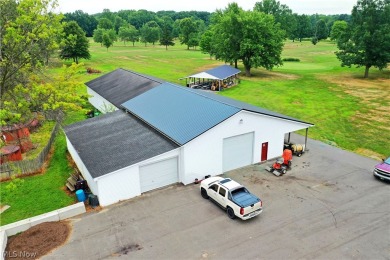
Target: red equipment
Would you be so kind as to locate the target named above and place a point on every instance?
(287, 157)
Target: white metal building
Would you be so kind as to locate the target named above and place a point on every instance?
(172, 134)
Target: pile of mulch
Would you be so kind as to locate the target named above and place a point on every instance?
(38, 240)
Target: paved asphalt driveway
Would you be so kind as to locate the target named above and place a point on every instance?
(328, 206)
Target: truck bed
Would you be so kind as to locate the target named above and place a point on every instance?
(244, 198)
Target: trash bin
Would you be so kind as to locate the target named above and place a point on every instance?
(80, 195)
(93, 200)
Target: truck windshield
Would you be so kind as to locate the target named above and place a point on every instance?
(387, 160)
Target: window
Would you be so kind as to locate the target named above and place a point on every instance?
(222, 192)
(214, 187)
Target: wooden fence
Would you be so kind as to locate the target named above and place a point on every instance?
(34, 165)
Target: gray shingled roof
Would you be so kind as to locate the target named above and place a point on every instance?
(115, 140)
(121, 85)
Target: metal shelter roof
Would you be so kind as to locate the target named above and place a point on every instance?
(223, 72)
(121, 85)
(115, 140)
(220, 73)
(178, 113)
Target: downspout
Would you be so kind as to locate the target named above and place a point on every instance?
(307, 130)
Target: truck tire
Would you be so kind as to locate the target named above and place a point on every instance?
(230, 213)
(203, 192)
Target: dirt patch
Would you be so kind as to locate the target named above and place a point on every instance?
(269, 75)
(37, 241)
(369, 92)
(369, 153)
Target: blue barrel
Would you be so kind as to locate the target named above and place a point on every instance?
(80, 195)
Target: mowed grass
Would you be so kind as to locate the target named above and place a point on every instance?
(40, 193)
(348, 111)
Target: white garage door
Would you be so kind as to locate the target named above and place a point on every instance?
(237, 151)
(158, 174)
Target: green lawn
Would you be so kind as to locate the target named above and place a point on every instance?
(40, 193)
(348, 111)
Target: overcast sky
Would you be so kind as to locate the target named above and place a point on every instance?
(297, 6)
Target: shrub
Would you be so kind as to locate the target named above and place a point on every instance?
(291, 59)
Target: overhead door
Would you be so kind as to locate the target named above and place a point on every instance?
(237, 151)
(159, 174)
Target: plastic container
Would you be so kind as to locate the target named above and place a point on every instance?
(80, 195)
(93, 200)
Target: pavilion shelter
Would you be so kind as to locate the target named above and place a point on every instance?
(215, 79)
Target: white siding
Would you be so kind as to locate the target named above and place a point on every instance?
(99, 102)
(122, 185)
(159, 174)
(80, 165)
(203, 155)
(125, 183)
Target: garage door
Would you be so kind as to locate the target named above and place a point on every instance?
(237, 151)
(158, 174)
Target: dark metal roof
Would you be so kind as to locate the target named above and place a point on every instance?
(223, 72)
(115, 140)
(179, 113)
(121, 85)
(244, 106)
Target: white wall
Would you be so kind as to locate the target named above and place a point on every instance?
(80, 165)
(125, 183)
(203, 155)
(99, 102)
(121, 185)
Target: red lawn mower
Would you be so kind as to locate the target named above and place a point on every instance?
(281, 165)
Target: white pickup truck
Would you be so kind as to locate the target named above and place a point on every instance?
(231, 196)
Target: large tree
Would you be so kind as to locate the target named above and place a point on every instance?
(105, 23)
(166, 37)
(150, 32)
(338, 29)
(107, 40)
(188, 30)
(29, 31)
(43, 93)
(87, 22)
(74, 43)
(250, 36)
(227, 29)
(262, 41)
(128, 33)
(367, 39)
(282, 14)
(303, 28)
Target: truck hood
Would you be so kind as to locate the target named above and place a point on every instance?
(383, 166)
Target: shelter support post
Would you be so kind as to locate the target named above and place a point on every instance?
(307, 130)
(289, 135)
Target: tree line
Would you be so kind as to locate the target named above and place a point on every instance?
(296, 27)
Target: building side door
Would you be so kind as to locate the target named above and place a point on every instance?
(264, 151)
